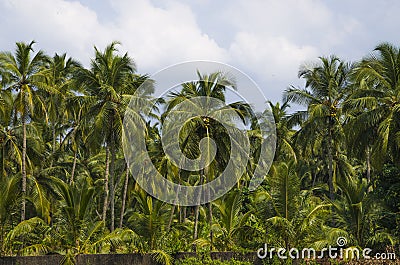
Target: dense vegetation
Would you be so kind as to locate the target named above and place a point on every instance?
(65, 186)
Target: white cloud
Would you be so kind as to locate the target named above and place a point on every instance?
(273, 38)
(269, 39)
(57, 25)
(270, 56)
(155, 37)
(162, 36)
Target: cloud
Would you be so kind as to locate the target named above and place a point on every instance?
(160, 36)
(274, 56)
(154, 36)
(268, 39)
(57, 26)
(273, 38)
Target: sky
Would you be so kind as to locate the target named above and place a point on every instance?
(266, 39)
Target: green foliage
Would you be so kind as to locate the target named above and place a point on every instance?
(387, 191)
(64, 182)
(292, 217)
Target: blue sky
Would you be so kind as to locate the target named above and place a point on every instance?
(266, 39)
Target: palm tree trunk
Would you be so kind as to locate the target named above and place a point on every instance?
(314, 178)
(330, 167)
(111, 183)
(23, 208)
(121, 219)
(171, 217)
(105, 205)
(330, 172)
(73, 167)
(196, 212)
(368, 158)
(174, 206)
(210, 221)
(196, 223)
(54, 144)
(76, 151)
(3, 158)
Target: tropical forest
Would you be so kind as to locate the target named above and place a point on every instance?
(67, 189)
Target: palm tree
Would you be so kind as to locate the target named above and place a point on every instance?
(11, 155)
(356, 211)
(149, 223)
(327, 86)
(294, 216)
(284, 132)
(23, 74)
(108, 88)
(232, 222)
(81, 232)
(75, 138)
(58, 75)
(150, 219)
(29, 231)
(214, 86)
(376, 105)
(76, 214)
(143, 87)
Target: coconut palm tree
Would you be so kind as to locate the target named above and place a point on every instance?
(293, 217)
(149, 223)
(375, 105)
(327, 86)
(150, 219)
(356, 212)
(214, 86)
(108, 87)
(231, 223)
(11, 156)
(58, 76)
(22, 73)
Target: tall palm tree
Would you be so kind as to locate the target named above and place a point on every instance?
(376, 105)
(11, 136)
(213, 85)
(75, 138)
(59, 77)
(22, 73)
(327, 86)
(108, 87)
